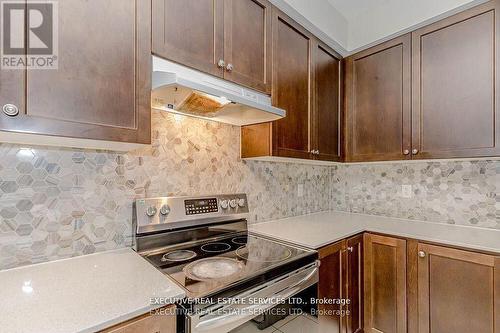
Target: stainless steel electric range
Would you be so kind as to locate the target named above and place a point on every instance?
(230, 275)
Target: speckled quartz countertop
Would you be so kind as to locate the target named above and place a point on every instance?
(82, 294)
(317, 230)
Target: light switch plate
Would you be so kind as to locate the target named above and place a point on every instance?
(406, 191)
(300, 190)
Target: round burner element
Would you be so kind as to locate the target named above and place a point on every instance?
(240, 240)
(179, 255)
(212, 268)
(215, 247)
(256, 254)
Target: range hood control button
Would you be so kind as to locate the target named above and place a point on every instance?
(241, 202)
(224, 204)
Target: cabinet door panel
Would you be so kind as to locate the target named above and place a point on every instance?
(331, 286)
(247, 43)
(161, 323)
(454, 82)
(378, 102)
(456, 291)
(102, 85)
(354, 322)
(327, 87)
(385, 284)
(291, 87)
(190, 32)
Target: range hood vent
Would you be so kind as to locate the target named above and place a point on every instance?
(183, 90)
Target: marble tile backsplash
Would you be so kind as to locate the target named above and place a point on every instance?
(455, 192)
(57, 203)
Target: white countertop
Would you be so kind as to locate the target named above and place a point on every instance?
(317, 230)
(82, 294)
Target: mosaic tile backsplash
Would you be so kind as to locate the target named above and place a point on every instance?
(57, 203)
(456, 192)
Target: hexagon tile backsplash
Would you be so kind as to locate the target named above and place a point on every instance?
(57, 203)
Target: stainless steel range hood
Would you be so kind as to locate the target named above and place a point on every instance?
(183, 90)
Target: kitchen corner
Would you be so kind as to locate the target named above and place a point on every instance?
(245, 166)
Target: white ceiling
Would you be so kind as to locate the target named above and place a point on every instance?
(357, 24)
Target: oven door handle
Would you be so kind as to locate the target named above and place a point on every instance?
(225, 322)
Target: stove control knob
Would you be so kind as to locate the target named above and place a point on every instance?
(241, 202)
(224, 204)
(151, 211)
(233, 203)
(164, 210)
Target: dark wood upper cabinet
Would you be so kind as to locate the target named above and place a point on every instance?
(190, 32)
(101, 89)
(384, 284)
(326, 139)
(226, 38)
(354, 278)
(291, 87)
(247, 43)
(456, 111)
(307, 78)
(291, 90)
(457, 291)
(378, 102)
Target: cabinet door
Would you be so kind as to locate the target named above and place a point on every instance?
(456, 291)
(162, 323)
(247, 43)
(354, 322)
(101, 89)
(327, 102)
(455, 85)
(331, 286)
(385, 284)
(377, 104)
(190, 32)
(291, 87)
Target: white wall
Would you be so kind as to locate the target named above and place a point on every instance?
(388, 17)
(351, 25)
(319, 17)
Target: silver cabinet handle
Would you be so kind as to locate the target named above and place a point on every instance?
(421, 254)
(229, 67)
(221, 63)
(406, 152)
(414, 151)
(350, 249)
(10, 110)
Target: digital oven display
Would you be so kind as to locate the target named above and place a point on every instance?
(201, 206)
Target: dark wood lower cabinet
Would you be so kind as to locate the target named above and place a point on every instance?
(354, 319)
(331, 286)
(385, 284)
(162, 322)
(341, 278)
(458, 291)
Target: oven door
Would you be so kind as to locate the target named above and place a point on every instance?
(245, 306)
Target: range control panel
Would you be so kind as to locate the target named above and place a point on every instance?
(201, 206)
(168, 213)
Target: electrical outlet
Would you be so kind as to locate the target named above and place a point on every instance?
(406, 191)
(300, 190)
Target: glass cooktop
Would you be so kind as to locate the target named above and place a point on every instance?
(207, 266)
